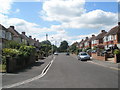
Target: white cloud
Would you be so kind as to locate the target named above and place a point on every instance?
(62, 10)
(72, 14)
(5, 6)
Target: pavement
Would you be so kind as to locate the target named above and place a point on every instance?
(108, 64)
(27, 73)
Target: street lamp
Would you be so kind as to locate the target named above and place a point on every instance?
(52, 48)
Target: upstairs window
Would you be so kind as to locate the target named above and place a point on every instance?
(2, 33)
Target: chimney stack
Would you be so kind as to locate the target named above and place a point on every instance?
(102, 31)
(86, 37)
(118, 23)
(23, 33)
(35, 39)
(93, 35)
(12, 27)
(30, 36)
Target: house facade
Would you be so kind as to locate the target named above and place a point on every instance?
(24, 38)
(81, 44)
(15, 35)
(5, 35)
(31, 41)
(112, 38)
(98, 40)
(88, 42)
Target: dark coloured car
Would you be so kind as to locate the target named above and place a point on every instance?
(67, 53)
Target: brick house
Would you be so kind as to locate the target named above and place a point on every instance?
(5, 35)
(89, 42)
(31, 41)
(24, 38)
(86, 43)
(36, 43)
(81, 44)
(112, 38)
(16, 36)
(98, 40)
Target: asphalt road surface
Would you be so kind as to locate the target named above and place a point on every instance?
(68, 72)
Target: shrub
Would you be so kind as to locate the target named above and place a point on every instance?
(10, 52)
(4, 60)
(116, 51)
(13, 44)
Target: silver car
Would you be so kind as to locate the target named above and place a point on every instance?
(83, 56)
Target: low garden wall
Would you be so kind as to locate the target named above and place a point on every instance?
(95, 56)
(14, 64)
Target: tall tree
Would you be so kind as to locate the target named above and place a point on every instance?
(45, 47)
(63, 46)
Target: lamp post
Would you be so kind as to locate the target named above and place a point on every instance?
(52, 49)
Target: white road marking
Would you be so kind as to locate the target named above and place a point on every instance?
(34, 78)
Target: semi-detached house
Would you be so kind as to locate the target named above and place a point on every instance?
(112, 38)
(98, 40)
(16, 36)
(5, 35)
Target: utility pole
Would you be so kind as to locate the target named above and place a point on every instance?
(52, 49)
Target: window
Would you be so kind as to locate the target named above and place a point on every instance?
(2, 33)
(8, 36)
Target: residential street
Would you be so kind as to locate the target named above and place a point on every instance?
(68, 72)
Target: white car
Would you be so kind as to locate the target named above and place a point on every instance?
(83, 56)
(56, 53)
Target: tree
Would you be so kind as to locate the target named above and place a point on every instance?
(63, 46)
(45, 47)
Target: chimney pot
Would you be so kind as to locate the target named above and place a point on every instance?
(30, 36)
(86, 37)
(93, 35)
(34, 38)
(23, 33)
(102, 31)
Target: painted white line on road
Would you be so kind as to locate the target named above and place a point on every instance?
(34, 78)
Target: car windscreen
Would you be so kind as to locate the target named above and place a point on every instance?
(83, 54)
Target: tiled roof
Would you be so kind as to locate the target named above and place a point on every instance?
(92, 38)
(113, 31)
(13, 31)
(2, 27)
(24, 37)
(82, 41)
(101, 35)
(85, 40)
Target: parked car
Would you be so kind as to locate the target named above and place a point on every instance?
(56, 53)
(93, 51)
(83, 56)
(67, 53)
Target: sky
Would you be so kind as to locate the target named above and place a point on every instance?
(70, 20)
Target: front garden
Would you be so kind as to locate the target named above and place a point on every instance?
(16, 56)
